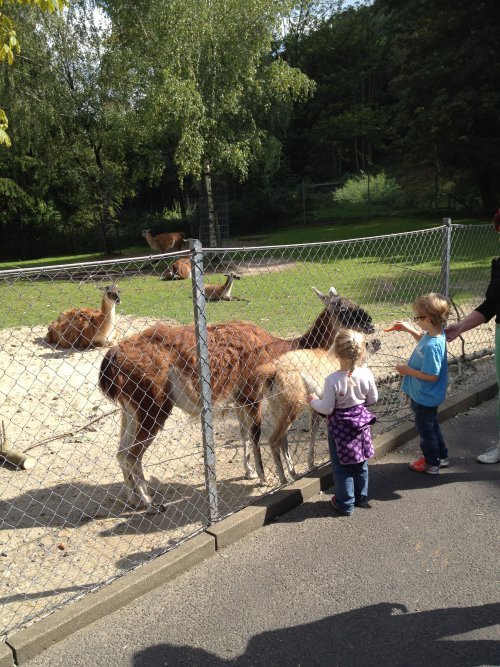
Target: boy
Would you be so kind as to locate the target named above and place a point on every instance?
(425, 378)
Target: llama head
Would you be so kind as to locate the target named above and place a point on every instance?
(145, 232)
(348, 314)
(233, 276)
(111, 293)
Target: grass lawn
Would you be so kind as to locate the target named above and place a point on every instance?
(383, 274)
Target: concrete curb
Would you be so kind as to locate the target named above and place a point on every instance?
(6, 659)
(29, 642)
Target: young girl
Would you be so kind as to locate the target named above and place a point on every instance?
(426, 378)
(345, 395)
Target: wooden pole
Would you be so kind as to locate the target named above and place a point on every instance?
(12, 456)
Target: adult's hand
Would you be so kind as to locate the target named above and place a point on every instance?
(453, 331)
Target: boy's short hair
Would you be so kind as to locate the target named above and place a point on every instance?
(435, 306)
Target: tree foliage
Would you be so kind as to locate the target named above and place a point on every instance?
(9, 45)
(445, 86)
(207, 80)
(116, 108)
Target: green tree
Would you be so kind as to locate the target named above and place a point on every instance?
(70, 126)
(445, 83)
(9, 45)
(206, 79)
(343, 128)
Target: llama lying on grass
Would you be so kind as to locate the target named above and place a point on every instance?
(287, 382)
(222, 292)
(178, 270)
(153, 371)
(81, 328)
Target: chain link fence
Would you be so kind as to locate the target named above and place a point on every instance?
(176, 400)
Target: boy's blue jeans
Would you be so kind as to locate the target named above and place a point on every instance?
(351, 481)
(431, 438)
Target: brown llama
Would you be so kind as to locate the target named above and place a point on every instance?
(221, 292)
(153, 371)
(287, 382)
(81, 328)
(178, 270)
(165, 242)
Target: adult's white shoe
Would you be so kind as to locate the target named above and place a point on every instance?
(492, 456)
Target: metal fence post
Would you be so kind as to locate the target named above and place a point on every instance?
(200, 323)
(446, 257)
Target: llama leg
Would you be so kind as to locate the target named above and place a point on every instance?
(279, 441)
(255, 416)
(143, 440)
(288, 459)
(133, 443)
(129, 427)
(244, 424)
(314, 426)
(275, 446)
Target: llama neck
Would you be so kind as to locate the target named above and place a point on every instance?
(108, 310)
(227, 287)
(150, 241)
(320, 336)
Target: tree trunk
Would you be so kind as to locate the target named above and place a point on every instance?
(107, 227)
(489, 197)
(212, 219)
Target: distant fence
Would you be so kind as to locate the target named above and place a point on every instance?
(65, 526)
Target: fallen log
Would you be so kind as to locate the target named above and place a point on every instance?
(13, 456)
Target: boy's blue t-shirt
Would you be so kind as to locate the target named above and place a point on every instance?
(428, 357)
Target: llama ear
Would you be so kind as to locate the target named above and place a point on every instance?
(320, 294)
(332, 291)
(327, 298)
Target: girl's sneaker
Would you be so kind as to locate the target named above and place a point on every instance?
(422, 466)
(333, 503)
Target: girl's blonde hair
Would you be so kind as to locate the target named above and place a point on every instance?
(435, 306)
(350, 345)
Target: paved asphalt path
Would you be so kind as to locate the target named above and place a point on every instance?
(411, 581)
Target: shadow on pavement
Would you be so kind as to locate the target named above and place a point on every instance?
(382, 634)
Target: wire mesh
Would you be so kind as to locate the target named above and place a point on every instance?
(66, 525)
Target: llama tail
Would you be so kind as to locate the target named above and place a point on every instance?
(267, 375)
(108, 374)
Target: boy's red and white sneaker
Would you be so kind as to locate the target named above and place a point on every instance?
(443, 463)
(422, 466)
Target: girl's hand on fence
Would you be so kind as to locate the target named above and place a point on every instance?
(403, 369)
(311, 397)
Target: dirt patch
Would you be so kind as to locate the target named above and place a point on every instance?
(64, 527)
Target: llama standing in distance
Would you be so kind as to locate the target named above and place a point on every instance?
(156, 370)
(178, 270)
(165, 242)
(81, 328)
(287, 382)
(221, 292)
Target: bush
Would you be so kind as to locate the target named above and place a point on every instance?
(368, 189)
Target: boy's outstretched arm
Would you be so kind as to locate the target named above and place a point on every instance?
(400, 325)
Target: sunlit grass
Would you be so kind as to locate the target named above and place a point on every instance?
(383, 274)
